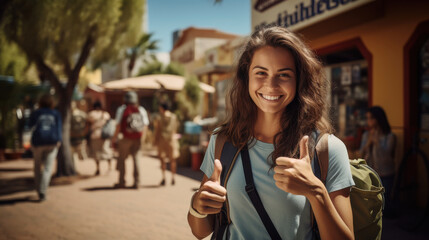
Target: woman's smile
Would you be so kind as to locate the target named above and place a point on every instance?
(271, 98)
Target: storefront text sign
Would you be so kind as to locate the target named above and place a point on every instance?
(297, 14)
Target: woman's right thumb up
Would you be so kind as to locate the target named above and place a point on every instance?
(217, 171)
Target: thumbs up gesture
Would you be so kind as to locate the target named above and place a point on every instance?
(211, 196)
(295, 175)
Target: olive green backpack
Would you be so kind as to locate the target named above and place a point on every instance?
(366, 197)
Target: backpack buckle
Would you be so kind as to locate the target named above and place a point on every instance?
(250, 188)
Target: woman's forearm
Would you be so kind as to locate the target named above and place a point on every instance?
(332, 224)
(201, 227)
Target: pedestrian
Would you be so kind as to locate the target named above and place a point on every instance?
(99, 146)
(132, 121)
(277, 99)
(78, 131)
(168, 146)
(46, 139)
(378, 149)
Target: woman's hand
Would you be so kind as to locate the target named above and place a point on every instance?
(211, 195)
(295, 175)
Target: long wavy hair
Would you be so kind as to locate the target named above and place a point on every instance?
(307, 112)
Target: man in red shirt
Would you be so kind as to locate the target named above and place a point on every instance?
(132, 121)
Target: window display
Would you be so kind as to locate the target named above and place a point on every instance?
(349, 99)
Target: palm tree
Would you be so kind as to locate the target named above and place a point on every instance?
(144, 47)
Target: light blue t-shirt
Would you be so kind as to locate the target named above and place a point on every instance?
(289, 213)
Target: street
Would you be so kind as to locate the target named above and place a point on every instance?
(88, 207)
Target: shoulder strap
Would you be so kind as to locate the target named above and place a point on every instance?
(254, 196)
(227, 154)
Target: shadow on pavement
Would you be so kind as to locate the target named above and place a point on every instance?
(18, 200)
(24, 184)
(14, 185)
(188, 172)
(151, 186)
(15, 169)
(103, 188)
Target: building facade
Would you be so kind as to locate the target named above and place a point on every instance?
(376, 52)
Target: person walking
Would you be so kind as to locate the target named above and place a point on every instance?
(378, 149)
(132, 121)
(277, 102)
(168, 146)
(78, 131)
(46, 139)
(99, 146)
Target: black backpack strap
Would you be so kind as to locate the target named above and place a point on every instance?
(254, 196)
(227, 154)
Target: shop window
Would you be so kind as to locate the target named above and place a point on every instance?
(348, 73)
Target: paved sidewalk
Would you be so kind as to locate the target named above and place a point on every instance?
(89, 208)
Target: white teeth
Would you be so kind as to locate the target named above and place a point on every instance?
(271, 98)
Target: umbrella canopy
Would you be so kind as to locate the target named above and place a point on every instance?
(154, 81)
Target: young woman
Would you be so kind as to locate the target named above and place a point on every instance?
(99, 147)
(378, 149)
(276, 101)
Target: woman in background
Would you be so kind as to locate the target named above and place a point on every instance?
(378, 149)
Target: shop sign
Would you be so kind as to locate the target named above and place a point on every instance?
(297, 14)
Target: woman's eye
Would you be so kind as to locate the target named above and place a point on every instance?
(284, 75)
(260, 73)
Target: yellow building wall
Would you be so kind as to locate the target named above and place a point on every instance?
(385, 37)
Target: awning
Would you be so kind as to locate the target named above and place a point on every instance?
(154, 81)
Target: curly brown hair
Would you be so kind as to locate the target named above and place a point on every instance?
(307, 112)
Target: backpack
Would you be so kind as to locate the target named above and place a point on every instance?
(132, 123)
(366, 197)
(78, 125)
(45, 130)
(108, 130)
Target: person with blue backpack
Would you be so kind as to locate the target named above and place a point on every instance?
(277, 109)
(45, 140)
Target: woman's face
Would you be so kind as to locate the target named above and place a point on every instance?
(370, 120)
(272, 79)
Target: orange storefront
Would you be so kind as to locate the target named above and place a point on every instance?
(375, 53)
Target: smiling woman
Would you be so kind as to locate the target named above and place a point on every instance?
(277, 110)
(272, 82)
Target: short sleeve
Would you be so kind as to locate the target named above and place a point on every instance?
(119, 113)
(144, 114)
(339, 173)
(208, 162)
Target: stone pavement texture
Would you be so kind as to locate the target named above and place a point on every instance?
(88, 207)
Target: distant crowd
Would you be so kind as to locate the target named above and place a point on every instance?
(97, 135)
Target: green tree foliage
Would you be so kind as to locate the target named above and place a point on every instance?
(60, 37)
(143, 48)
(175, 68)
(12, 60)
(188, 100)
(156, 67)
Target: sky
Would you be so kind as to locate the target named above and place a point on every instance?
(167, 16)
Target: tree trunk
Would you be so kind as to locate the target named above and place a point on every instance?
(65, 162)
